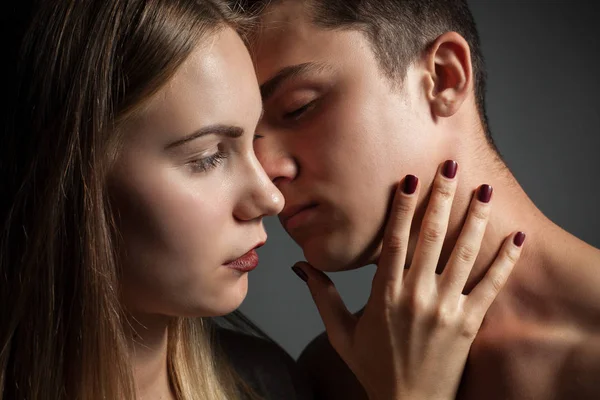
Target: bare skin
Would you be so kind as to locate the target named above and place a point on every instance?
(183, 218)
(540, 338)
(184, 215)
(412, 339)
(542, 347)
(149, 349)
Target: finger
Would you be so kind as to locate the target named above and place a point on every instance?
(390, 267)
(483, 295)
(434, 225)
(467, 246)
(339, 322)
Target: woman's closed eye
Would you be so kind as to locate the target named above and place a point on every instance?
(205, 164)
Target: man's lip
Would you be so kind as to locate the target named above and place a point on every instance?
(292, 220)
(291, 211)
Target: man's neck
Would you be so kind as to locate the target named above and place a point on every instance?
(551, 276)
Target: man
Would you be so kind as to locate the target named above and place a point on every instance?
(359, 93)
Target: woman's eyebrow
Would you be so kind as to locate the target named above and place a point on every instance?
(222, 130)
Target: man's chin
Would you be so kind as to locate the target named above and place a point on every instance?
(327, 260)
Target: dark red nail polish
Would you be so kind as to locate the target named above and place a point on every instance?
(410, 184)
(519, 239)
(485, 193)
(301, 274)
(450, 168)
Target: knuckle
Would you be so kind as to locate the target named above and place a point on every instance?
(497, 282)
(433, 232)
(480, 213)
(470, 326)
(445, 317)
(395, 243)
(511, 255)
(466, 253)
(443, 191)
(404, 208)
(415, 305)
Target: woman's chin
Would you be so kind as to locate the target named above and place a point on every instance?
(228, 300)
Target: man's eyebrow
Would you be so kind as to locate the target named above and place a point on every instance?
(222, 130)
(268, 88)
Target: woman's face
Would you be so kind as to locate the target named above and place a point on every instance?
(188, 190)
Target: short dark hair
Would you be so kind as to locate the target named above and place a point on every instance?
(399, 31)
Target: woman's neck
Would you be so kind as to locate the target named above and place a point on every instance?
(148, 345)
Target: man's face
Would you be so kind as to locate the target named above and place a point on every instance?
(337, 136)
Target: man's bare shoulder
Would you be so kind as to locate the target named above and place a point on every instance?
(579, 377)
(545, 342)
(330, 377)
(541, 364)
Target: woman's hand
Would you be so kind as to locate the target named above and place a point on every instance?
(414, 335)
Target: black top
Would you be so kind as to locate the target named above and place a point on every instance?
(265, 366)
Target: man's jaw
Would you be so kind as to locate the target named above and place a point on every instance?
(326, 255)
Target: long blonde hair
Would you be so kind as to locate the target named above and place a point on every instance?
(77, 68)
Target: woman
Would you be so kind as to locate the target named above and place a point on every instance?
(133, 204)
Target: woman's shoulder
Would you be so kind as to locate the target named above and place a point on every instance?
(264, 365)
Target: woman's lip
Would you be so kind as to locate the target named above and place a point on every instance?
(300, 217)
(245, 263)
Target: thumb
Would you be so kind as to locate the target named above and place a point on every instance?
(339, 322)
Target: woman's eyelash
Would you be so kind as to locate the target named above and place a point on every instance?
(208, 163)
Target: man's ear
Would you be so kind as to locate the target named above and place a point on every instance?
(449, 74)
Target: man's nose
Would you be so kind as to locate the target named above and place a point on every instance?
(276, 160)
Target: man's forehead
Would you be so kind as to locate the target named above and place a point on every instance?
(285, 11)
(284, 21)
(285, 38)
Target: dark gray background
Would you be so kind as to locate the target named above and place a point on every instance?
(543, 95)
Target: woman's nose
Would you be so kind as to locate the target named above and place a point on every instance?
(261, 197)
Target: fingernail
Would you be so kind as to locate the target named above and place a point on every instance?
(301, 274)
(410, 184)
(450, 168)
(485, 193)
(519, 239)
